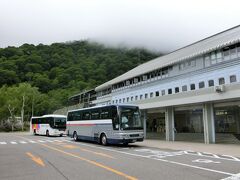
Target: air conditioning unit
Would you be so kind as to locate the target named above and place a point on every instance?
(219, 89)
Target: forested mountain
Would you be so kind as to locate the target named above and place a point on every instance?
(62, 69)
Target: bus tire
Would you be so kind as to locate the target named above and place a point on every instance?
(103, 140)
(47, 133)
(75, 136)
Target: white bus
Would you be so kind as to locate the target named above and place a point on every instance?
(49, 125)
(111, 124)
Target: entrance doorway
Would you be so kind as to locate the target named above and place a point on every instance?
(227, 124)
(189, 125)
(155, 126)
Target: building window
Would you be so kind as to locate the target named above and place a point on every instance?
(163, 92)
(221, 81)
(184, 88)
(127, 99)
(201, 85)
(132, 98)
(226, 54)
(192, 86)
(176, 89)
(233, 79)
(211, 83)
(238, 51)
(141, 96)
(207, 60)
(169, 91)
(151, 95)
(113, 102)
(233, 53)
(120, 100)
(116, 101)
(136, 98)
(123, 100)
(157, 93)
(146, 96)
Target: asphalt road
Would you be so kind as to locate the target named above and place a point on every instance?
(24, 157)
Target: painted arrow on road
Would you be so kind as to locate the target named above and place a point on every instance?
(36, 159)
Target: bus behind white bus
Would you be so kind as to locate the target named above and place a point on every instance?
(112, 124)
(49, 125)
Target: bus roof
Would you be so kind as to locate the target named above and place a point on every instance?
(50, 115)
(103, 106)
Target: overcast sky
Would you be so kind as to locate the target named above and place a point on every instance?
(154, 24)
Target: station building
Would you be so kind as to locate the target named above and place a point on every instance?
(191, 94)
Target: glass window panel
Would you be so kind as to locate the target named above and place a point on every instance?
(213, 55)
(233, 79)
(163, 92)
(192, 86)
(169, 91)
(151, 94)
(176, 89)
(184, 88)
(226, 55)
(146, 96)
(201, 85)
(221, 81)
(136, 98)
(233, 53)
(211, 83)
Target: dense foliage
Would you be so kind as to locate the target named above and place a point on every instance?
(59, 70)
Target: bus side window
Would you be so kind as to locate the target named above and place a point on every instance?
(86, 115)
(95, 114)
(39, 121)
(43, 120)
(51, 121)
(70, 116)
(105, 114)
(76, 116)
(114, 117)
(34, 121)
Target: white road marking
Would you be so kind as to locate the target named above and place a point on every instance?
(49, 141)
(32, 141)
(3, 143)
(13, 142)
(235, 158)
(205, 161)
(22, 142)
(57, 141)
(163, 160)
(41, 141)
(233, 177)
(210, 155)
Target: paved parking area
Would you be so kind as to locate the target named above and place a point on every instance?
(39, 157)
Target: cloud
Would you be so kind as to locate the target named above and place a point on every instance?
(154, 24)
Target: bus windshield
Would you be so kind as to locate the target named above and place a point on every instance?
(130, 118)
(60, 122)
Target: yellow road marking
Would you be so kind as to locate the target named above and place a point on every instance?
(36, 159)
(89, 161)
(69, 146)
(92, 162)
(97, 153)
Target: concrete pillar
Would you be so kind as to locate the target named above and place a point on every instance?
(169, 123)
(237, 114)
(144, 116)
(208, 123)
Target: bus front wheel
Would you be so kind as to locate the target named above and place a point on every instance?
(104, 139)
(75, 136)
(47, 133)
